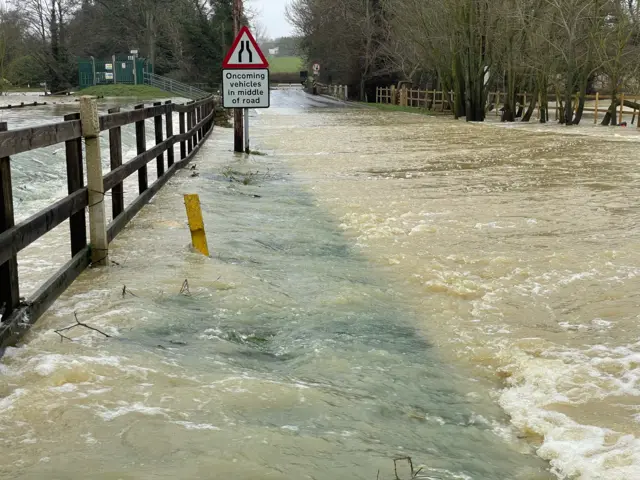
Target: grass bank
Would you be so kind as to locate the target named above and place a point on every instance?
(138, 91)
(285, 64)
(23, 89)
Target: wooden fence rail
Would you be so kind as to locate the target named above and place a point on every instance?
(19, 315)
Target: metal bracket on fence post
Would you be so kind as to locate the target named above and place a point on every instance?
(95, 184)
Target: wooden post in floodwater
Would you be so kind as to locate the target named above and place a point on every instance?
(9, 292)
(141, 146)
(621, 108)
(115, 150)
(169, 128)
(157, 127)
(595, 111)
(183, 130)
(75, 182)
(95, 183)
(539, 106)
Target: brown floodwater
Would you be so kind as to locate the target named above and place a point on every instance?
(382, 285)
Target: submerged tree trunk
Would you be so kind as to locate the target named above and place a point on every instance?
(544, 106)
(509, 113)
(532, 106)
(610, 116)
(460, 93)
(582, 95)
(543, 88)
(568, 102)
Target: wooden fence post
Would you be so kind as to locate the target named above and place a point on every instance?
(95, 185)
(169, 128)
(194, 122)
(183, 130)
(539, 105)
(141, 145)
(10, 290)
(75, 181)
(157, 125)
(621, 108)
(595, 111)
(189, 127)
(497, 107)
(115, 152)
(393, 95)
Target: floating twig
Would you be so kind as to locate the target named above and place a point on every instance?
(125, 291)
(395, 466)
(185, 289)
(78, 324)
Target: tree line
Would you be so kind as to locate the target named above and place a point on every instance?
(41, 40)
(549, 48)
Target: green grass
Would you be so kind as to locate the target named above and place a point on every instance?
(138, 91)
(285, 64)
(23, 89)
(397, 108)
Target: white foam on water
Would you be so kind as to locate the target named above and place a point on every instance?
(196, 426)
(111, 414)
(575, 451)
(7, 403)
(291, 428)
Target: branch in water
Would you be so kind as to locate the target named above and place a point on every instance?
(78, 324)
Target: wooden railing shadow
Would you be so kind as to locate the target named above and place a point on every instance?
(196, 120)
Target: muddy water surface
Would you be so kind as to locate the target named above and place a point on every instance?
(523, 246)
(381, 286)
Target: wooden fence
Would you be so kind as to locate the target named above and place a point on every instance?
(442, 101)
(196, 123)
(435, 100)
(340, 92)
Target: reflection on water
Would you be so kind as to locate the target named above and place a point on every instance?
(383, 286)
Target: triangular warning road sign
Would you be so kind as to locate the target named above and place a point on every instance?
(245, 52)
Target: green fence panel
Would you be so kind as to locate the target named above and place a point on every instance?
(105, 72)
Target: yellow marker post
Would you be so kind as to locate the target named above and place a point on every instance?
(196, 224)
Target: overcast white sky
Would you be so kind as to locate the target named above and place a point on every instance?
(271, 15)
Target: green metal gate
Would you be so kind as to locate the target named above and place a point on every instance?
(122, 69)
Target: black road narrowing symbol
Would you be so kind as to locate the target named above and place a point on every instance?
(246, 47)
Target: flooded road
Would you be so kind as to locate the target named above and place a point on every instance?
(382, 285)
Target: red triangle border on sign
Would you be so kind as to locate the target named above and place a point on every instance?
(227, 60)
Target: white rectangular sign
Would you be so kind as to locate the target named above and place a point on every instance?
(246, 88)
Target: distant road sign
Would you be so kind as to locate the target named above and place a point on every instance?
(245, 53)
